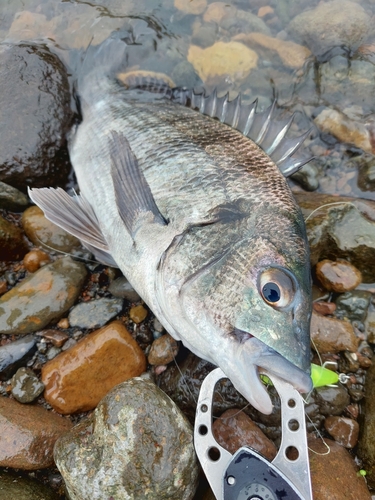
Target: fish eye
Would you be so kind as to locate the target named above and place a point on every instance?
(276, 287)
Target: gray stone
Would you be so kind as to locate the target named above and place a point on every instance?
(15, 486)
(12, 199)
(307, 177)
(331, 400)
(353, 305)
(122, 288)
(137, 444)
(95, 313)
(16, 354)
(26, 386)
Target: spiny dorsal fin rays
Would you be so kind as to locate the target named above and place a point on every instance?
(262, 128)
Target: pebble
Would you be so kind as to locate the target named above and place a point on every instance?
(334, 474)
(78, 378)
(16, 354)
(344, 129)
(344, 431)
(12, 199)
(353, 305)
(14, 486)
(12, 244)
(338, 276)
(43, 232)
(57, 337)
(138, 313)
(52, 352)
(163, 350)
(324, 308)
(63, 323)
(331, 24)
(95, 313)
(191, 6)
(122, 288)
(234, 429)
(28, 435)
(137, 444)
(26, 386)
(41, 298)
(232, 59)
(34, 260)
(332, 335)
(331, 400)
(307, 177)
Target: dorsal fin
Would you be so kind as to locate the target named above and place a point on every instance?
(262, 128)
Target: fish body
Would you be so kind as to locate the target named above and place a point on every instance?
(202, 223)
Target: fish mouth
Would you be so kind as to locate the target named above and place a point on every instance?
(253, 357)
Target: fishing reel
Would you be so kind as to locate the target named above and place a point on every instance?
(247, 475)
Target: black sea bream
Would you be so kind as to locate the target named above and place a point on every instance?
(197, 216)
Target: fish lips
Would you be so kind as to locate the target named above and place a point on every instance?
(253, 355)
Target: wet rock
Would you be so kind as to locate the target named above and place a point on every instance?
(57, 337)
(122, 288)
(217, 11)
(307, 177)
(234, 429)
(12, 199)
(366, 173)
(232, 59)
(14, 486)
(138, 313)
(188, 7)
(339, 276)
(28, 435)
(78, 378)
(95, 313)
(35, 86)
(348, 362)
(44, 233)
(370, 327)
(353, 305)
(26, 386)
(42, 297)
(204, 36)
(163, 350)
(331, 400)
(3, 287)
(343, 430)
(331, 24)
(137, 444)
(243, 22)
(183, 73)
(35, 259)
(332, 334)
(334, 474)
(344, 129)
(366, 448)
(12, 244)
(343, 230)
(324, 308)
(16, 354)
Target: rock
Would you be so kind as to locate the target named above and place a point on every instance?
(12, 199)
(16, 354)
(12, 244)
(331, 400)
(191, 7)
(44, 233)
(353, 305)
(307, 177)
(95, 313)
(366, 173)
(122, 288)
(41, 298)
(221, 60)
(235, 429)
(331, 24)
(370, 327)
(138, 313)
(217, 11)
(78, 378)
(332, 334)
(137, 444)
(14, 486)
(28, 435)
(366, 448)
(344, 129)
(291, 54)
(35, 259)
(339, 276)
(35, 87)
(243, 22)
(343, 230)
(57, 337)
(163, 350)
(334, 474)
(26, 386)
(324, 308)
(343, 430)
(3, 287)
(183, 72)
(29, 25)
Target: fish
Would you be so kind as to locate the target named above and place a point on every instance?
(186, 194)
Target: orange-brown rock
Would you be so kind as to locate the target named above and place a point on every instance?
(235, 429)
(345, 431)
(334, 474)
(217, 11)
(138, 313)
(28, 434)
(163, 350)
(332, 335)
(77, 379)
(338, 276)
(34, 260)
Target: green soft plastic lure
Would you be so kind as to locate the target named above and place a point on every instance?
(320, 376)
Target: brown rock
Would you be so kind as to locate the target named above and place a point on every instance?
(3, 287)
(12, 244)
(138, 313)
(339, 276)
(324, 308)
(334, 474)
(28, 434)
(77, 379)
(163, 350)
(191, 6)
(231, 59)
(57, 337)
(34, 260)
(63, 323)
(217, 11)
(265, 10)
(343, 430)
(235, 429)
(332, 335)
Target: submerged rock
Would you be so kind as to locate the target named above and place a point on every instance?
(14, 486)
(137, 444)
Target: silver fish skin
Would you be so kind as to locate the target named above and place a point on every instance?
(202, 223)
